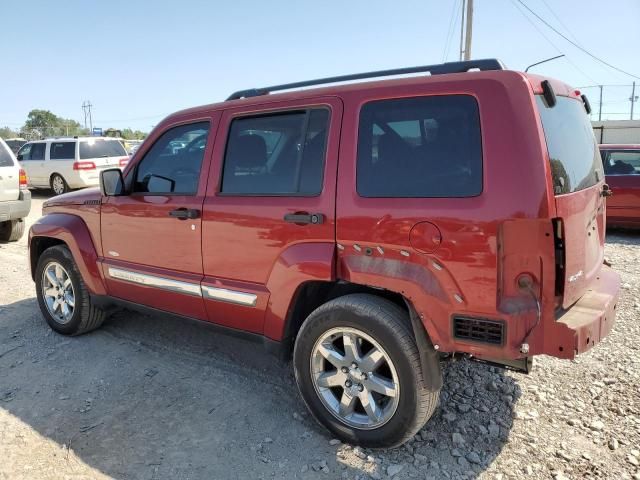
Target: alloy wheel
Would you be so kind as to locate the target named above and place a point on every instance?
(355, 378)
(57, 183)
(58, 293)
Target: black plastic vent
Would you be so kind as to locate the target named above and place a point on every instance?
(92, 202)
(478, 330)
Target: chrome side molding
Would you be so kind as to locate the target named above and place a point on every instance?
(230, 296)
(187, 288)
(154, 281)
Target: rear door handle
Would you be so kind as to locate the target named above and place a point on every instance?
(606, 191)
(185, 213)
(304, 218)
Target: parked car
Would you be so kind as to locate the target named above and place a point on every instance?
(622, 170)
(367, 229)
(15, 143)
(15, 199)
(67, 163)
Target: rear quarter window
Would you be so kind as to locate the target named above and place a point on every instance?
(420, 147)
(573, 153)
(6, 160)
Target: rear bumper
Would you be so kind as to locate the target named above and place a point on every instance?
(15, 209)
(587, 321)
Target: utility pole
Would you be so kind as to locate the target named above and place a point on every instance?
(464, 8)
(467, 39)
(633, 98)
(86, 108)
(600, 108)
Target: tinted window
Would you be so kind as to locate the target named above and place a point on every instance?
(575, 158)
(621, 162)
(6, 160)
(101, 148)
(172, 165)
(25, 152)
(420, 147)
(62, 151)
(37, 151)
(280, 154)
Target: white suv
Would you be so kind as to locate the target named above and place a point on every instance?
(15, 199)
(63, 164)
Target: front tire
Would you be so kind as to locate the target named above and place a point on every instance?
(59, 184)
(62, 294)
(358, 369)
(11, 230)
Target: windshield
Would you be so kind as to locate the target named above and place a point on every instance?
(101, 148)
(575, 158)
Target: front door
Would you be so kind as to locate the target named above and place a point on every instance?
(271, 194)
(622, 169)
(31, 158)
(151, 237)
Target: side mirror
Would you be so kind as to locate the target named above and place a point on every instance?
(111, 182)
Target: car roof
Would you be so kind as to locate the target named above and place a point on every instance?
(535, 82)
(73, 139)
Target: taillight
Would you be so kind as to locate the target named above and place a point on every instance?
(23, 179)
(84, 166)
(124, 161)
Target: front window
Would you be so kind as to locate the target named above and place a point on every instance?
(423, 147)
(172, 164)
(100, 148)
(574, 155)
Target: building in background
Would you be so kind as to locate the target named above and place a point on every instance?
(617, 131)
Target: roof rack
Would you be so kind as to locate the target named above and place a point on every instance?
(438, 69)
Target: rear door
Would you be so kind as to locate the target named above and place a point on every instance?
(9, 175)
(578, 177)
(62, 156)
(622, 168)
(272, 189)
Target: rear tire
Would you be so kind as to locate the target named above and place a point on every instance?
(346, 395)
(11, 230)
(58, 184)
(62, 294)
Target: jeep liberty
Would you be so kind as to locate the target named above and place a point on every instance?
(367, 229)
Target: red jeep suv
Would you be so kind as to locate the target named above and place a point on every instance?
(367, 228)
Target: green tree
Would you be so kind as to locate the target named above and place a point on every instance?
(6, 132)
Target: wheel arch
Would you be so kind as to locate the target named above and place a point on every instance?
(71, 231)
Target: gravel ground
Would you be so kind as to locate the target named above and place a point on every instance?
(150, 398)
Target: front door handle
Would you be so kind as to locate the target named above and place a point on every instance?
(185, 213)
(304, 218)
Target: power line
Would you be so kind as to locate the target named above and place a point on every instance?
(560, 20)
(447, 44)
(584, 50)
(578, 69)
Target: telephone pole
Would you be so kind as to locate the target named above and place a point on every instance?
(469, 31)
(600, 107)
(633, 98)
(466, 29)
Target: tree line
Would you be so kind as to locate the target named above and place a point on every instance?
(43, 123)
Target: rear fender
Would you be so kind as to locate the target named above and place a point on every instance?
(73, 231)
(296, 265)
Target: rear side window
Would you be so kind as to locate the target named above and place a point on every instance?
(575, 158)
(280, 154)
(101, 148)
(173, 163)
(6, 160)
(62, 151)
(420, 147)
(621, 162)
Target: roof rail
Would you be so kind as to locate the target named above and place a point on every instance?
(438, 69)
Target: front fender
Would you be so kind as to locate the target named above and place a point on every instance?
(298, 264)
(73, 231)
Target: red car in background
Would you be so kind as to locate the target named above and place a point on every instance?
(622, 170)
